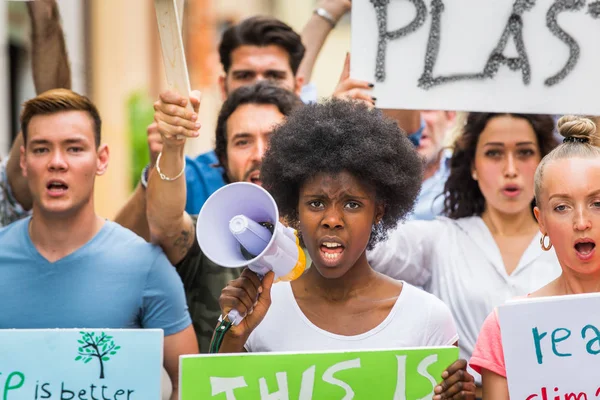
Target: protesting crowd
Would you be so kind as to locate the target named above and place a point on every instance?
(416, 224)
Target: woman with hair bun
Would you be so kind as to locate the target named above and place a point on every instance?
(567, 193)
(486, 248)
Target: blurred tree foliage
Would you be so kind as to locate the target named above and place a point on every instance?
(140, 115)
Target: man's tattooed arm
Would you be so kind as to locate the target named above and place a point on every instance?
(178, 242)
(184, 241)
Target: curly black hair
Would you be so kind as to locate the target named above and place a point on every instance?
(463, 198)
(338, 136)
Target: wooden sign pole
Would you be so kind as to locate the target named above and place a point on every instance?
(180, 5)
(169, 15)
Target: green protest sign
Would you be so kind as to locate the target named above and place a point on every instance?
(406, 374)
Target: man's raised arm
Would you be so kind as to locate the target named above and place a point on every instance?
(51, 70)
(50, 62)
(170, 226)
(317, 29)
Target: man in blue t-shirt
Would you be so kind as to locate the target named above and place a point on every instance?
(66, 267)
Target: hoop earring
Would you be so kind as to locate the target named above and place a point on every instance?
(543, 243)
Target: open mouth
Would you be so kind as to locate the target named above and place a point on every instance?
(511, 191)
(585, 247)
(57, 187)
(254, 177)
(331, 251)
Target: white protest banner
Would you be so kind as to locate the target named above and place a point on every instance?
(534, 56)
(81, 364)
(552, 347)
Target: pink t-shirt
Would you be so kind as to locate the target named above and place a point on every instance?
(488, 352)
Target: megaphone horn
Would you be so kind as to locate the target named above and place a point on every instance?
(239, 226)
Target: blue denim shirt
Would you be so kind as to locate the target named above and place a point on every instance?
(202, 178)
(429, 203)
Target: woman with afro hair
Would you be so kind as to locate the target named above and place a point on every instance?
(343, 176)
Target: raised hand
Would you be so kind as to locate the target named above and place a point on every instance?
(173, 120)
(155, 143)
(353, 89)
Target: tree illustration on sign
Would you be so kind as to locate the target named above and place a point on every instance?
(94, 346)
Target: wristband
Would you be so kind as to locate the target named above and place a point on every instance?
(144, 177)
(326, 15)
(163, 176)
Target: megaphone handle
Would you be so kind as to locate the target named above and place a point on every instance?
(233, 315)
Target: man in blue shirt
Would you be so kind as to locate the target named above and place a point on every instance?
(245, 124)
(256, 49)
(264, 49)
(66, 267)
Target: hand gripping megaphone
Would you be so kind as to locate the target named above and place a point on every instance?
(239, 226)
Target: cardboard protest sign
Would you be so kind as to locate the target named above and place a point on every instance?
(552, 347)
(70, 364)
(536, 56)
(377, 374)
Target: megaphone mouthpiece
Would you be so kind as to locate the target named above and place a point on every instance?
(251, 235)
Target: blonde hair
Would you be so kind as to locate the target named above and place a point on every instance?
(581, 141)
(456, 130)
(58, 100)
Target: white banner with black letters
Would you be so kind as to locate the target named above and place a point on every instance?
(537, 56)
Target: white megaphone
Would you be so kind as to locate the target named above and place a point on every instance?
(239, 226)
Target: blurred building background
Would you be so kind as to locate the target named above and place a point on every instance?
(116, 60)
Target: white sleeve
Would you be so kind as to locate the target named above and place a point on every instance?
(308, 93)
(407, 254)
(441, 328)
(248, 346)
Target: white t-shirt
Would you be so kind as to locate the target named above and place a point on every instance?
(460, 263)
(417, 319)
